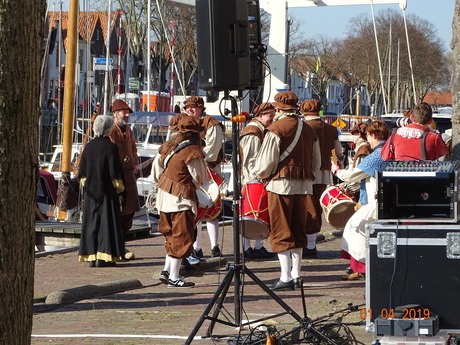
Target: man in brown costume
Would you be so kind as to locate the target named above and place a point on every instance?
(328, 142)
(213, 136)
(123, 137)
(178, 170)
(250, 141)
(288, 160)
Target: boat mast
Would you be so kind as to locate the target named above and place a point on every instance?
(69, 87)
(148, 56)
(59, 46)
(119, 55)
(171, 88)
(398, 107)
(107, 60)
(390, 55)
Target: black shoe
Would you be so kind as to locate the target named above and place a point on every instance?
(264, 253)
(349, 270)
(92, 263)
(187, 265)
(164, 277)
(198, 253)
(310, 253)
(251, 254)
(102, 263)
(298, 282)
(215, 252)
(282, 286)
(180, 283)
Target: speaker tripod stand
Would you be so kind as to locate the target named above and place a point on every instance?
(236, 270)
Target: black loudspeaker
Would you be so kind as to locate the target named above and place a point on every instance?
(223, 44)
(257, 50)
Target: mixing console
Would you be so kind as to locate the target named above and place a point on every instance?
(438, 169)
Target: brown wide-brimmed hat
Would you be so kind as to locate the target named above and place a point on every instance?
(175, 120)
(310, 107)
(197, 101)
(286, 100)
(262, 108)
(189, 124)
(120, 105)
(359, 128)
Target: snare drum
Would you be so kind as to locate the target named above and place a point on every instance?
(212, 188)
(338, 206)
(254, 220)
(204, 203)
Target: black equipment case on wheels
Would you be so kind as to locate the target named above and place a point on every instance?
(413, 264)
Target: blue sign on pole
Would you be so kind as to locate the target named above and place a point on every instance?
(102, 61)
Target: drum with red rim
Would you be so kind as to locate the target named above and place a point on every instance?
(212, 188)
(338, 206)
(254, 219)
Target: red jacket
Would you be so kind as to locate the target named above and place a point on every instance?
(407, 142)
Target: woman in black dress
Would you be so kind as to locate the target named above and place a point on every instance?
(101, 175)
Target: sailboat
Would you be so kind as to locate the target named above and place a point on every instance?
(149, 133)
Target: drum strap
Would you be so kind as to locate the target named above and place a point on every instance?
(177, 149)
(294, 141)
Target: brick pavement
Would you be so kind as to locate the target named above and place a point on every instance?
(159, 315)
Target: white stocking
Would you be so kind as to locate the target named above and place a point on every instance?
(213, 231)
(284, 258)
(167, 263)
(296, 255)
(174, 268)
(258, 244)
(197, 243)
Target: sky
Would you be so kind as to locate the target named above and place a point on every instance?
(332, 21)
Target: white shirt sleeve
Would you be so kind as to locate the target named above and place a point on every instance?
(157, 169)
(351, 175)
(250, 145)
(268, 158)
(197, 168)
(213, 143)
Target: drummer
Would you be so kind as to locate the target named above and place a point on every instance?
(178, 169)
(288, 158)
(353, 241)
(213, 137)
(250, 142)
(330, 147)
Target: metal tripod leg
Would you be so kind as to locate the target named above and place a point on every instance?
(221, 293)
(223, 287)
(220, 302)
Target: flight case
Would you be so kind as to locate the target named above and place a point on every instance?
(413, 264)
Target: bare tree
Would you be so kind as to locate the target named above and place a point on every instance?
(163, 13)
(185, 50)
(430, 68)
(265, 19)
(455, 83)
(185, 53)
(319, 54)
(134, 24)
(20, 61)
